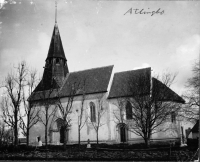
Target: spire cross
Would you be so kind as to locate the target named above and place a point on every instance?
(56, 11)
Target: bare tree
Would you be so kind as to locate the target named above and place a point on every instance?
(31, 113)
(5, 134)
(100, 113)
(2, 133)
(191, 110)
(149, 106)
(7, 112)
(81, 119)
(119, 113)
(194, 81)
(46, 114)
(66, 109)
(14, 84)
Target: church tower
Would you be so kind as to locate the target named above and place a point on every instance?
(56, 62)
(56, 68)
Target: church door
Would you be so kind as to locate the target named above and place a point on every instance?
(123, 134)
(62, 134)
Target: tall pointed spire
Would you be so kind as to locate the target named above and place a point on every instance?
(56, 48)
(56, 68)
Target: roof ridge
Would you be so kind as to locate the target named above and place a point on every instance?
(132, 70)
(91, 69)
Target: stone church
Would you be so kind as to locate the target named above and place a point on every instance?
(96, 97)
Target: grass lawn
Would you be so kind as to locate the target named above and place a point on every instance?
(125, 152)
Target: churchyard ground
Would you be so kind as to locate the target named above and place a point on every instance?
(102, 152)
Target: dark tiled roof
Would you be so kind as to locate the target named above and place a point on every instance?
(46, 84)
(59, 81)
(164, 93)
(43, 95)
(195, 129)
(129, 83)
(88, 81)
(56, 48)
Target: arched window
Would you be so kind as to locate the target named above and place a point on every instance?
(173, 117)
(129, 111)
(92, 112)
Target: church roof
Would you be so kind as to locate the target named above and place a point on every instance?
(89, 81)
(195, 128)
(138, 82)
(46, 84)
(56, 48)
(45, 95)
(96, 80)
(124, 83)
(164, 93)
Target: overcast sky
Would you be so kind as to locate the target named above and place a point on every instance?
(99, 33)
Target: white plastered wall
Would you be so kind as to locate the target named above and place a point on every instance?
(87, 132)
